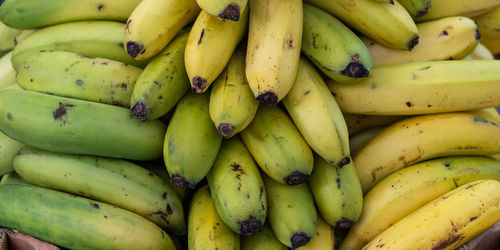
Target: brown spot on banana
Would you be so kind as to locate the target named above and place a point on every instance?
(231, 12)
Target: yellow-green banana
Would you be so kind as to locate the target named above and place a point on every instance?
(209, 47)
(446, 222)
(154, 23)
(277, 146)
(72, 75)
(422, 88)
(7, 72)
(265, 239)
(66, 125)
(71, 221)
(232, 103)
(333, 47)
(158, 168)
(237, 189)
(273, 51)
(489, 24)
(191, 142)
(447, 8)
(423, 137)
(480, 53)
(7, 36)
(162, 83)
(493, 46)
(206, 230)
(442, 39)
(408, 189)
(323, 238)
(388, 24)
(8, 149)
(416, 8)
(292, 214)
(356, 123)
(225, 9)
(11, 178)
(363, 136)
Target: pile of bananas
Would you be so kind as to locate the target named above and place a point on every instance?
(259, 124)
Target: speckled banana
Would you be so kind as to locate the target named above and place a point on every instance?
(7, 72)
(209, 47)
(143, 40)
(422, 88)
(333, 47)
(493, 46)
(489, 24)
(363, 136)
(458, 133)
(277, 146)
(265, 239)
(273, 52)
(356, 123)
(292, 214)
(447, 8)
(480, 53)
(442, 39)
(448, 221)
(323, 238)
(191, 142)
(237, 189)
(225, 9)
(162, 83)
(232, 103)
(8, 149)
(388, 24)
(416, 8)
(7, 36)
(206, 230)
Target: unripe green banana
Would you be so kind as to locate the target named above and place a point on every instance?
(232, 103)
(72, 75)
(7, 72)
(416, 8)
(8, 149)
(237, 189)
(158, 168)
(265, 239)
(333, 47)
(225, 9)
(7, 36)
(191, 142)
(11, 178)
(277, 146)
(66, 125)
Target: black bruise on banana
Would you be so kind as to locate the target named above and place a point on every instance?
(296, 178)
(344, 223)
(412, 43)
(61, 111)
(199, 85)
(139, 110)
(346, 160)
(355, 69)
(231, 12)
(423, 11)
(299, 239)
(269, 98)
(225, 129)
(249, 226)
(201, 36)
(182, 182)
(100, 7)
(478, 35)
(134, 48)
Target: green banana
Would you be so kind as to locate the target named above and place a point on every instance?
(7, 72)
(11, 178)
(75, 222)
(72, 75)
(265, 239)
(333, 47)
(67, 125)
(7, 36)
(158, 168)
(277, 146)
(191, 142)
(416, 8)
(237, 189)
(225, 9)
(162, 83)
(8, 149)
(292, 214)
(232, 103)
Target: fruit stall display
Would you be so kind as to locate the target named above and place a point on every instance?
(259, 124)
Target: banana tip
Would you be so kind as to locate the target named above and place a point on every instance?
(296, 178)
(199, 85)
(182, 181)
(231, 12)
(134, 48)
(225, 129)
(249, 226)
(478, 34)
(269, 98)
(344, 223)
(139, 110)
(423, 11)
(299, 239)
(412, 43)
(355, 69)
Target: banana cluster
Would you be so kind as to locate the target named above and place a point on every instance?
(250, 124)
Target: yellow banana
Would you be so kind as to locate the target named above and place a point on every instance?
(384, 1)
(489, 24)
(225, 9)
(363, 136)
(356, 123)
(488, 113)
(265, 239)
(493, 46)
(7, 36)
(447, 8)
(7, 72)
(323, 238)
(416, 8)
(273, 52)
(480, 53)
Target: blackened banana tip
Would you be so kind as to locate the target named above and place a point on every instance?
(355, 70)
(225, 129)
(478, 34)
(249, 226)
(139, 110)
(296, 178)
(344, 223)
(269, 98)
(299, 239)
(412, 43)
(134, 48)
(182, 182)
(199, 85)
(423, 11)
(231, 12)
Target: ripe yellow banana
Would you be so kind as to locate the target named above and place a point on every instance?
(480, 53)
(422, 88)
(493, 46)
(363, 136)
(488, 113)
(410, 188)
(356, 123)
(423, 137)
(416, 8)
(7, 36)
(7, 72)
(489, 24)
(323, 238)
(265, 239)
(442, 39)
(446, 222)
(154, 23)
(387, 24)
(209, 47)
(225, 9)
(447, 8)
(273, 52)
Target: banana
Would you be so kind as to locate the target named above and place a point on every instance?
(7, 36)
(108, 180)
(442, 39)
(206, 230)
(191, 142)
(423, 137)
(488, 113)
(89, 38)
(446, 222)
(447, 8)
(162, 83)
(158, 168)
(8, 149)
(292, 214)
(323, 238)
(273, 51)
(265, 239)
(7, 72)
(362, 137)
(489, 24)
(11, 178)
(388, 24)
(209, 47)
(70, 221)
(493, 46)
(232, 103)
(277, 146)
(408, 189)
(480, 53)
(384, 1)
(356, 123)
(422, 88)
(225, 9)
(333, 47)
(416, 8)
(143, 40)
(65, 125)
(72, 75)
(237, 189)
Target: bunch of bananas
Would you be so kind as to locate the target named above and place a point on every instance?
(259, 124)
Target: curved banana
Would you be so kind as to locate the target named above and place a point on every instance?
(209, 47)
(480, 53)
(447, 8)
(363, 136)
(7, 36)
(323, 238)
(265, 239)
(416, 8)
(388, 24)
(408, 189)
(423, 137)
(7, 72)
(493, 46)
(489, 24)
(143, 40)
(273, 51)
(277, 146)
(422, 88)
(225, 9)
(356, 123)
